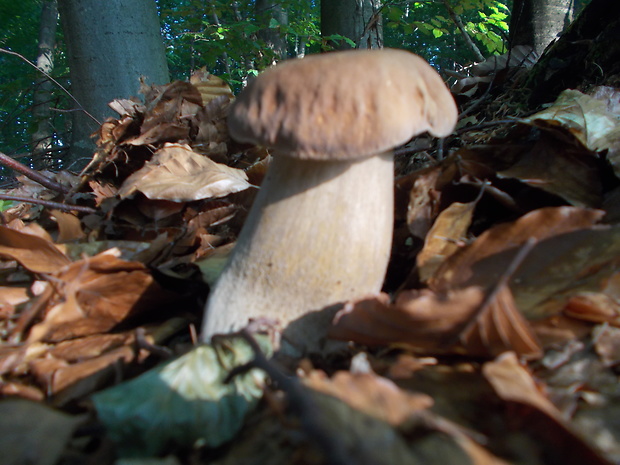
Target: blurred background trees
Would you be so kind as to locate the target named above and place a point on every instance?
(232, 39)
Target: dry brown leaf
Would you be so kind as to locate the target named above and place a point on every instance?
(587, 118)
(372, 394)
(97, 294)
(595, 307)
(420, 318)
(423, 202)
(13, 295)
(209, 85)
(88, 347)
(162, 132)
(32, 252)
(126, 107)
(69, 226)
(555, 270)
(602, 306)
(448, 231)
(513, 383)
(539, 224)
(561, 169)
(462, 321)
(498, 327)
(75, 380)
(177, 173)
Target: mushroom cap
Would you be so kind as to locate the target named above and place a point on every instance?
(343, 105)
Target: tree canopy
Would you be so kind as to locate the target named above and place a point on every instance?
(225, 37)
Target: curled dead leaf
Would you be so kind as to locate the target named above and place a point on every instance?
(33, 253)
(460, 321)
(179, 174)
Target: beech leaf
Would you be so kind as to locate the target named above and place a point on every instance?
(179, 174)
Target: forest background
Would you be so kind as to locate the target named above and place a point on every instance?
(233, 40)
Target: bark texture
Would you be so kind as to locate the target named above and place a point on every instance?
(538, 22)
(358, 20)
(587, 54)
(266, 11)
(110, 46)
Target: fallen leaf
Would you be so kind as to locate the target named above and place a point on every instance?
(32, 252)
(423, 202)
(376, 396)
(587, 118)
(512, 382)
(97, 294)
(539, 224)
(177, 173)
(32, 433)
(189, 400)
(209, 85)
(69, 226)
(444, 238)
(460, 321)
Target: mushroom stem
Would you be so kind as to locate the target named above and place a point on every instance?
(319, 233)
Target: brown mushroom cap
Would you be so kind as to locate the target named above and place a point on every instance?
(343, 105)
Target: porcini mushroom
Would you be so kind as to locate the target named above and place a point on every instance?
(320, 229)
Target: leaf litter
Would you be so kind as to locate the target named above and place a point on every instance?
(495, 340)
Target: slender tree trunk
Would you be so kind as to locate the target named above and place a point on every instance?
(538, 22)
(41, 140)
(266, 11)
(110, 46)
(357, 20)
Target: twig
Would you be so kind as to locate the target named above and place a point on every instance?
(9, 52)
(488, 124)
(32, 174)
(516, 262)
(143, 343)
(299, 402)
(459, 23)
(49, 204)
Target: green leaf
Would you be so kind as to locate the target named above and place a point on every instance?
(437, 33)
(5, 205)
(184, 402)
(395, 14)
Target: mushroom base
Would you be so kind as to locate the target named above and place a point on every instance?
(319, 233)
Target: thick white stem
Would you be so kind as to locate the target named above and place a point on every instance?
(319, 233)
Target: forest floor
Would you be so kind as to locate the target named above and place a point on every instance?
(497, 339)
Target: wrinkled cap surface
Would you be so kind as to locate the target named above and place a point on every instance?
(343, 105)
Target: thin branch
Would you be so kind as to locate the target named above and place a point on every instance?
(503, 280)
(299, 402)
(49, 204)
(32, 174)
(9, 52)
(459, 23)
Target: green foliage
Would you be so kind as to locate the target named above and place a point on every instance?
(428, 29)
(19, 33)
(230, 47)
(6, 204)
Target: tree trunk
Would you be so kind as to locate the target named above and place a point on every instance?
(538, 22)
(357, 20)
(266, 11)
(110, 46)
(41, 139)
(587, 54)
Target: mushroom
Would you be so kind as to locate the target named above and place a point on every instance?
(320, 230)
